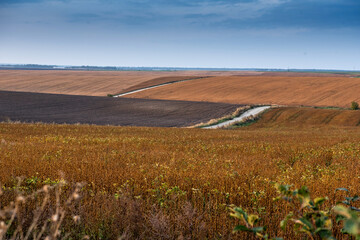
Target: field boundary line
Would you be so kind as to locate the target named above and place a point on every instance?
(157, 85)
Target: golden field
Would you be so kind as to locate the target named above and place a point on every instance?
(93, 83)
(292, 89)
(163, 183)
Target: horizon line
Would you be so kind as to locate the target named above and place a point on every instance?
(109, 67)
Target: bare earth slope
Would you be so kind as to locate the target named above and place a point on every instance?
(316, 90)
(39, 107)
(159, 81)
(93, 83)
(303, 117)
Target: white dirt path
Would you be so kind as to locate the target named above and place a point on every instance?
(242, 117)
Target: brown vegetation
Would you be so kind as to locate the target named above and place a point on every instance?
(163, 183)
(285, 90)
(92, 83)
(305, 117)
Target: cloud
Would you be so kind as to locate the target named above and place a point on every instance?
(195, 14)
(222, 9)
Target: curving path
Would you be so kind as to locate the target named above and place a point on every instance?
(250, 112)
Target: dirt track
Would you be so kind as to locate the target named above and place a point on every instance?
(287, 90)
(93, 83)
(38, 107)
(303, 117)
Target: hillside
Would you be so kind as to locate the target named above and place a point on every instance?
(281, 89)
(306, 116)
(92, 83)
(192, 174)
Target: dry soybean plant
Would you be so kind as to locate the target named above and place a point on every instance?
(39, 214)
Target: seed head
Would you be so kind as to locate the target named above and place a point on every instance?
(76, 219)
(55, 217)
(75, 196)
(46, 188)
(2, 225)
(20, 199)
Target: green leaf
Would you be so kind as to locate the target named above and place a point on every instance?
(258, 229)
(352, 227)
(252, 219)
(242, 228)
(319, 201)
(304, 196)
(239, 213)
(284, 189)
(324, 233)
(284, 222)
(343, 211)
(341, 189)
(306, 223)
(355, 198)
(339, 218)
(355, 209)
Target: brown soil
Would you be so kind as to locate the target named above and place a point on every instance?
(305, 74)
(305, 116)
(285, 90)
(93, 83)
(48, 108)
(161, 80)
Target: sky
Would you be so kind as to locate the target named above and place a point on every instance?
(301, 34)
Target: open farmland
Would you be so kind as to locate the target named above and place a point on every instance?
(152, 183)
(306, 117)
(93, 83)
(172, 183)
(283, 89)
(49, 108)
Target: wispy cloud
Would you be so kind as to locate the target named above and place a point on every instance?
(150, 11)
(228, 9)
(189, 14)
(239, 33)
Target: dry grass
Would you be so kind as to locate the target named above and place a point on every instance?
(39, 214)
(152, 183)
(236, 113)
(317, 90)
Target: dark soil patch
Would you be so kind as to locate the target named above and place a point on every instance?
(56, 108)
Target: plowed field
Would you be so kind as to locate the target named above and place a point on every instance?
(49, 108)
(316, 90)
(305, 117)
(93, 83)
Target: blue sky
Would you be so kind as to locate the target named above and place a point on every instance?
(322, 34)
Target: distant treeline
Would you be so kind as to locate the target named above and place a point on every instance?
(113, 68)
